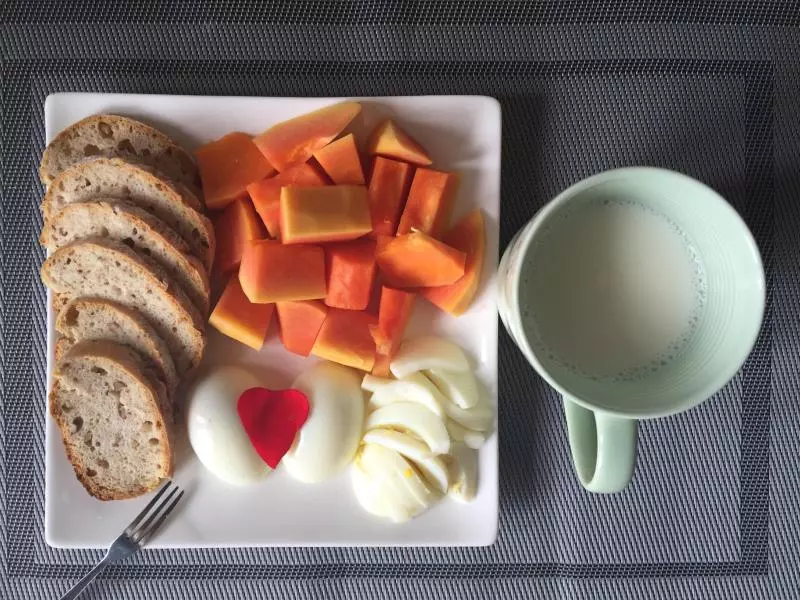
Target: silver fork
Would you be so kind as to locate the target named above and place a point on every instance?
(135, 536)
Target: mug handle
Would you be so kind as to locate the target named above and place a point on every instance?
(603, 447)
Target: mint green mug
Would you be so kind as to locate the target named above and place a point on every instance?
(636, 293)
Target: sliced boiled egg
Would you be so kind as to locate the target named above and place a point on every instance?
(478, 418)
(435, 471)
(459, 386)
(412, 388)
(402, 484)
(463, 472)
(414, 419)
(328, 440)
(404, 443)
(216, 433)
(427, 352)
(459, 433)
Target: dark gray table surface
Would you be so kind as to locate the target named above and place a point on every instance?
(711, 89)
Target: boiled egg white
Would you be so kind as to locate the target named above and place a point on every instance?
(215, 431)
(328, 441)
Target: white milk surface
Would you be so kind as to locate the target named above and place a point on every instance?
(612, 289)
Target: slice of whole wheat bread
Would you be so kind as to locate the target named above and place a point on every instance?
(111, 415)
(98, 319)
(115, 178)
(110, 270)
(139, 230)
(113, 135)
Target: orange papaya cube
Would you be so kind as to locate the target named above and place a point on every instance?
(266, 194)
(351, 272)
(295, 140)
(300, 323)
(381, 367)
(469, 235)
(345, 339)
(227, 166)
(394, 312)
(324, 214)
(418, 260)
(238, 318)
(233, 228)
(388, 189)
(341, 162)
(272, 272)
(430, 202)
(389, 140)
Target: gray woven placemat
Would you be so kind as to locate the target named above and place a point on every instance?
(709, 90)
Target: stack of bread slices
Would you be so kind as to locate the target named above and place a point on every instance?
(129, 255)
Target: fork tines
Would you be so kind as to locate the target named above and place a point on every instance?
(154, 513)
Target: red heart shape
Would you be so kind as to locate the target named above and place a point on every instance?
(272, 419)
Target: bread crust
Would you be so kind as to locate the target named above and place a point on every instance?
(164, 200)
(104, 353)
(139, 230)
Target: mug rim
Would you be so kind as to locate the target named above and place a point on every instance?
(716, 383)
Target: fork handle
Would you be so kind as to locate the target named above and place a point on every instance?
(78, 588)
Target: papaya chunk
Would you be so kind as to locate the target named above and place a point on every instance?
(394, 312)
(324, 214)
(430, 202)
(238, 318)
(469, 236)
(227, 166)
(295, 140)
(272, 272)
(351, 272)
(389, 140)
(237, 225)
(418, 260)
(345, 339)
(341, 162)
(388, 189)
(300, 323)
(266, 194)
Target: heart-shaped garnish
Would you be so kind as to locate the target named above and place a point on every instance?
(272, 419)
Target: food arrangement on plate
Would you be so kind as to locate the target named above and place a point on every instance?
(286, 226)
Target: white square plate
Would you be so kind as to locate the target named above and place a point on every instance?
(462, 133)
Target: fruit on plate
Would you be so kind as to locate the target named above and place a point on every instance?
(272, 272)
(394, 311)
(389, 140)
(341, 161)
(237, 225)
(300, 323)
(418, 260)
(238, 318)
(469, 236)
(324, 214)
(430, 202)
(295, 140)
(351, 272)
(387, 192)
(345, 339)
(227, 166)
(329, 439)
(215, 431)
(266, 194)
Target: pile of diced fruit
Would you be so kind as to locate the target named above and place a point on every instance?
(340, 256)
